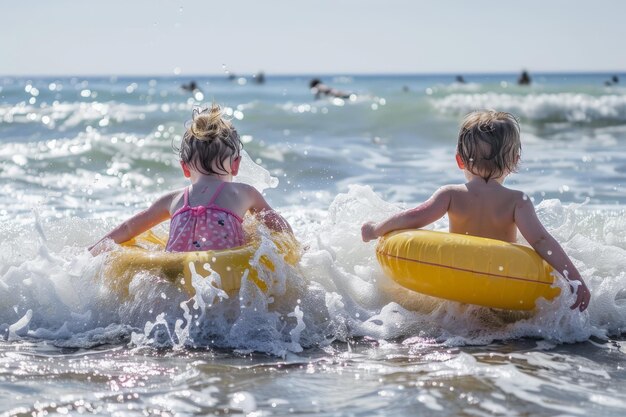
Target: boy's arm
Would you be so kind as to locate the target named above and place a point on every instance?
(266, 213)
(431, 210)
(158, 212)
(545, 245)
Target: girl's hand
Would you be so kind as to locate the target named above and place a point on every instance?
(368, 231)
(582, 296)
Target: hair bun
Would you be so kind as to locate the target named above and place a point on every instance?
(208, 124)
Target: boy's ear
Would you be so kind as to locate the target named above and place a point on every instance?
(459, 162)
(234, 166)
(185, 168)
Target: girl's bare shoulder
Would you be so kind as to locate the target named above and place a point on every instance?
(173, 199)
(244, 193)
(241, 188)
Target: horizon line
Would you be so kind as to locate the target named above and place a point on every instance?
(323, 74)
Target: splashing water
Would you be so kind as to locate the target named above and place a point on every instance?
(332, 327)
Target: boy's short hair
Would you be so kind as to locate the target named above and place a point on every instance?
(489, 143)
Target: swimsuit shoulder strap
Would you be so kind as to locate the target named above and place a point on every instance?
(186, 197)
(217, 193)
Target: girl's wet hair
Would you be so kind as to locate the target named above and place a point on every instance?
(489, 143)
(210, 139)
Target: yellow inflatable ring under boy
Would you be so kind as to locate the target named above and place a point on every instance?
(467, 269)
(147, 253)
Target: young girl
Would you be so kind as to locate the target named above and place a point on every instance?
(488, 150)
(207, 214)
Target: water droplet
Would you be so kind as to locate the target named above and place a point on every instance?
(20, 160)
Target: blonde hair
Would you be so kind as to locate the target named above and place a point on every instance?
(489, 143)
(209, 140)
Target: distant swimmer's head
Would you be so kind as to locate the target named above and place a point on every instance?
(211, 144)
(489, 144)
(314, 82)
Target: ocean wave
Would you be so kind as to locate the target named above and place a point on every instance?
(67, 115)
(570, 107)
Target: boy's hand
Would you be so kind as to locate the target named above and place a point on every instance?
(582, 296)
(367, 231)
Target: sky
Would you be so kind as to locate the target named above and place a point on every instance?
(204, 37)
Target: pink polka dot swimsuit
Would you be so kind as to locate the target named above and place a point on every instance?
(201, 228)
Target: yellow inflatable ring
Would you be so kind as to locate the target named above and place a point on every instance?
(147, 253)
(466, 269)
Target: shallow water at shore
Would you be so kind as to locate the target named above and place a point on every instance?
(414, 377)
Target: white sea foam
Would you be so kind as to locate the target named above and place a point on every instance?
(255, 175)
(569, 107)
(67, 115)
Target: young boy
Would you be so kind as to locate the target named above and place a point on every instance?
(488, 150)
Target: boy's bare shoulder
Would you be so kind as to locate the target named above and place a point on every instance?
(519, 197)
(447, 192)
(452, 189)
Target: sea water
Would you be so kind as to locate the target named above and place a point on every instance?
(333, 336)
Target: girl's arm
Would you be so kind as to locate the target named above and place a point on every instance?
(545, 245)
(158, 212)
(431, 210)
(266, 213)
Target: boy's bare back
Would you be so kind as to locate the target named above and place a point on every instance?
(485, 209)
